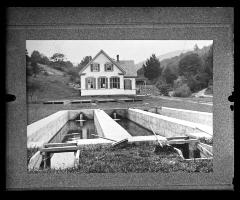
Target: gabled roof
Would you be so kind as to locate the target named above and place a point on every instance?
(129, 67)
(101, 51)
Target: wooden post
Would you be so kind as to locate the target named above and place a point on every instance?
(76, 161)
(46, 160)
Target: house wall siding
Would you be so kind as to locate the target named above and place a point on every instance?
(102, 59)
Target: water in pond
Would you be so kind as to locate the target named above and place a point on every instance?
(133, 128)
(74, 130)
(188, 150)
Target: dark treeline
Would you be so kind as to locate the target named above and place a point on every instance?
(181, 75)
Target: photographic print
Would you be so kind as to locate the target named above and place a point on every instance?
(119, 106)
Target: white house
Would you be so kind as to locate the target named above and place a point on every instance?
(106, 76)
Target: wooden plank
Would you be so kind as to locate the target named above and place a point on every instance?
(60, 144)
(177, 137)
(60, 149)
(182, 141)
(76, 161)
(195, 159)
(71, 134)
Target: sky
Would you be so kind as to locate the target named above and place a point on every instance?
(137, 50)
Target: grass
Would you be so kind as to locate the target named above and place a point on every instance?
(52, 87)
(55, 87)
(133, 158)
(39, 111)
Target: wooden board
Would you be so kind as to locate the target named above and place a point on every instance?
(60, 144)
(60, 149)
(177, 137)
(182, 141)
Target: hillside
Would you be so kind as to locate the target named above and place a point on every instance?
(173, 59)
(162, 57)
(50, 70)
(49, 87)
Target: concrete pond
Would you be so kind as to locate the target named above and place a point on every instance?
(60, 136)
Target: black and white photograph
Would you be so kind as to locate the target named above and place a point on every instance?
(120, 98)
(119, 106)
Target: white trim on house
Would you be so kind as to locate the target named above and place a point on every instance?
(117, 72)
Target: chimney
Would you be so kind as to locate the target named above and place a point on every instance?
(117, 58)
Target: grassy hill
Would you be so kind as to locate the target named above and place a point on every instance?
(49, 87)
(174, 58)
(163, 57)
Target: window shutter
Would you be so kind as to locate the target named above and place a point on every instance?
(106, 83)
(91, 67)
(99, 79)
(94, 83)
(86, 83)
(99, 67)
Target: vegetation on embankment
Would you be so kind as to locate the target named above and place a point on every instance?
(51, 87)
(181, 75)
(132, 159)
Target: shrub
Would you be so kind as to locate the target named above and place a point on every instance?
(165, 89)
(182, 91)
(45, 73)
(209, 90)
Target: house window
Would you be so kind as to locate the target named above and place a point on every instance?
(102, 82)
(115, 82)
(108, 67)
(90, 83)
(95, 67)
(127, 84)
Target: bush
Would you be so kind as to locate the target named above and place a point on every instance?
(182, 91)
(45, 73)
(164, 89)
(74, 76)
(209, 90)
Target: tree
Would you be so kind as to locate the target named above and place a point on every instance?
(27, 57)
(190, 65)
(68, 64)
(85, 61)
(58, 57)
(44, 60)
(140, 72)
(36, 57)
(196, 48)
(35, 69)
(208, 62)
(169, 75)
(182, 91)
(152, 68)
(74, 76)
(28, 64)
